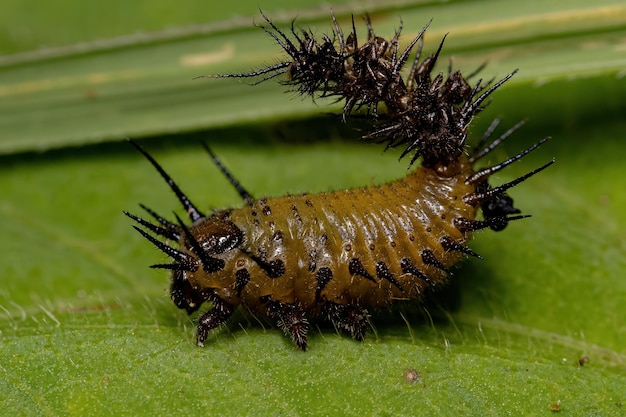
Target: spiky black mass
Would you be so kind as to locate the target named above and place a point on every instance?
(427, 113)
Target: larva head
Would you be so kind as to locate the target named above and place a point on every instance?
(205, 257)
(206, 248)
(210, 247)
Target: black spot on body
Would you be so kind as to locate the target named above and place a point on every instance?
(495, 223)
(324, 276)
(355, 267)
(211, 265)
(273, 269)
(450, 245)
(382, 272)
(429, 258)
(408, 268)
(242, 278)
(296, 215)
(267, 210)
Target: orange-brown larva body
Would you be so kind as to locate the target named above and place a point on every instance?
(330, 255)
(379, 226)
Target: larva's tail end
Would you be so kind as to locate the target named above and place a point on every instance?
(494, 202)
(496, 205)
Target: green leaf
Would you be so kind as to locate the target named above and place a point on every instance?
(86, 328)
(144, 85)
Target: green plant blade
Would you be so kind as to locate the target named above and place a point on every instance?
(146, 86)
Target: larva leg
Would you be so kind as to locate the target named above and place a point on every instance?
(213, 318)
(349, 317)
(184, 295)
(290, 318)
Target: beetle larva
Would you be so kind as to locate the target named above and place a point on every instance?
(331, 254)
(335, 255)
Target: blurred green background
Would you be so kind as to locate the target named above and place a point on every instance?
(87, 329)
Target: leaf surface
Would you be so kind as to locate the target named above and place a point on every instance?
(87, 329)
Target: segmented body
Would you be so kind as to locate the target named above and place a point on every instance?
(365, 246)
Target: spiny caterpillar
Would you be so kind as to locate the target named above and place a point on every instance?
(335, 255)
